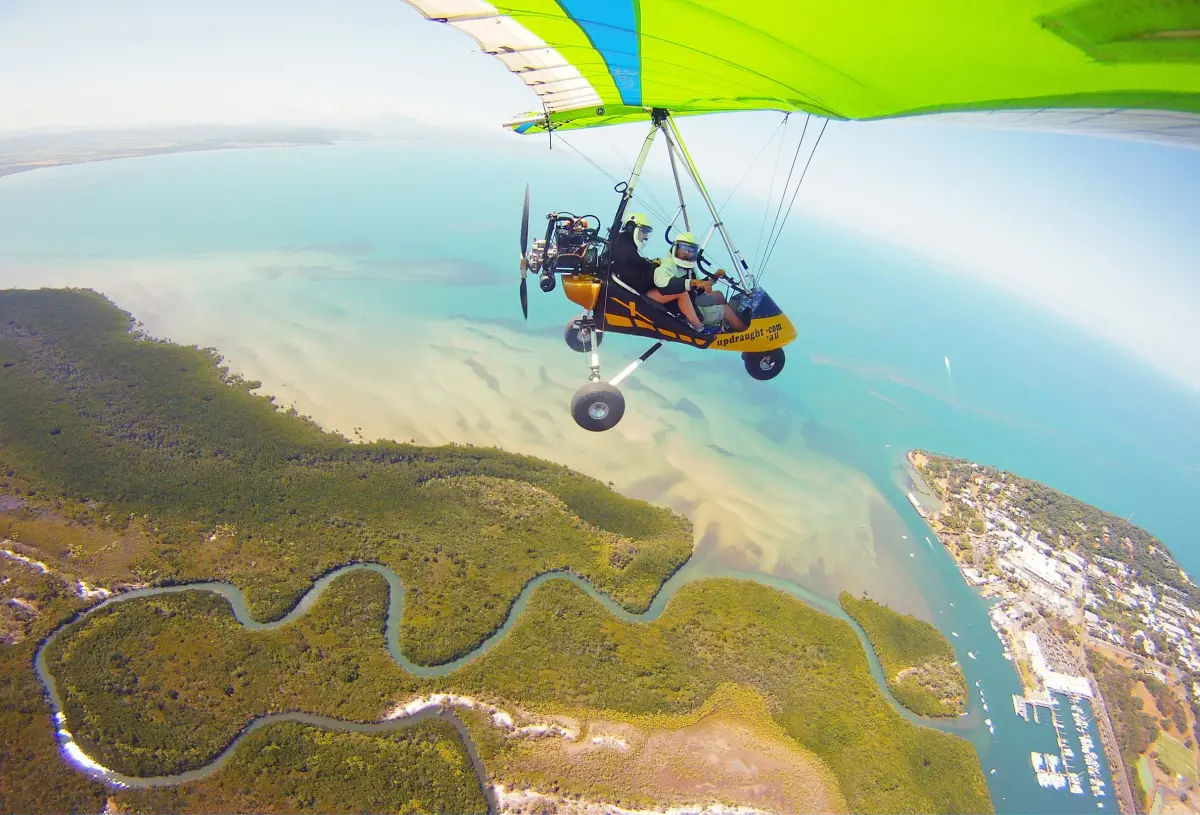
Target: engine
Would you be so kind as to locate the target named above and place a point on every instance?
(571, 246)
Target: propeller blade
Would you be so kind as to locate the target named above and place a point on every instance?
(525, 223)
(524, 255)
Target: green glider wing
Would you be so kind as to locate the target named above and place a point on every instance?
(600, 62)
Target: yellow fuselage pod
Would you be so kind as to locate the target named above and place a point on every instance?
(763, 334)
(582, 289)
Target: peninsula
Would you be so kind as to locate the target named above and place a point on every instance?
(22, 153)
(1087, 605)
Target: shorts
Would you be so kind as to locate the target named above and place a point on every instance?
(708, 309)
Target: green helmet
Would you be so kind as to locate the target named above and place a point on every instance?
(638, 218)
(685, 250)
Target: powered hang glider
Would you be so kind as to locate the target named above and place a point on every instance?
(1118, 67)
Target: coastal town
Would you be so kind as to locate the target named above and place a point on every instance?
(1088, 607)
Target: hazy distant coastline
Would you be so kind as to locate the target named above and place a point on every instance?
(35, 151)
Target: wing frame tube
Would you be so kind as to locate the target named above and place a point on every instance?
(627, 193)
(687, 225)
(739, 262)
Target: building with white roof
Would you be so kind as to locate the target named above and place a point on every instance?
(1053, 680)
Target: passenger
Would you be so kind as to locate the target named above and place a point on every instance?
(625, 258)
(674, 282)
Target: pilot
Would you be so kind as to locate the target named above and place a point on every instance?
(625, 256)
(674, 282)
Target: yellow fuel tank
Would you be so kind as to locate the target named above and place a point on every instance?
(582, 289)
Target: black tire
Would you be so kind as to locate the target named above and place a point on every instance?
(575, 335)
(765, 365)
(547, 282)
(597, 406)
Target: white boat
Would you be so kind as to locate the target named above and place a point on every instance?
(954, 633)
(988, 722)
(1038, 764)
(993, 772)
(971, 654)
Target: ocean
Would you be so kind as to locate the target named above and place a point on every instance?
(374, 286)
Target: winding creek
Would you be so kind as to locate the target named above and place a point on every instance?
(237, 603)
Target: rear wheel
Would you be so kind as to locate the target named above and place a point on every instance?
(597, 406)
(577, 335)
(765, 365)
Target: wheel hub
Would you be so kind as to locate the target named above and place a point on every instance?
(598, 410)
(766, 363)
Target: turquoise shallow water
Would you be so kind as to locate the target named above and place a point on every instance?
(426, 233)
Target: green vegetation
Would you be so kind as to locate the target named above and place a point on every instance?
(234, 488)
(1165, 700)
(1135, 730)
(36, 779)
(33, 777)
(182, 675)
(163, 683)
(1175, 758)
(917, 660)
(291, 767)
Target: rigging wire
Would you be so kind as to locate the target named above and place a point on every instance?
(626, 162)
(766, 144)
(817, 144)
(771, 193)
(783, 195)
(656, 212)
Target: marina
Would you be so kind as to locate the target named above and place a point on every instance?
(1078, 756)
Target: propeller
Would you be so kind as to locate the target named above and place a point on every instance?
(525, 254)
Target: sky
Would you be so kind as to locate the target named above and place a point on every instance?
(1100, 231)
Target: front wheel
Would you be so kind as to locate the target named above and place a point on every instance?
(597, 406)
(765, 365)
(579, 335)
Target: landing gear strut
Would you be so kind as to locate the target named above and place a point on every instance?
(598, 405)
(578, 333)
